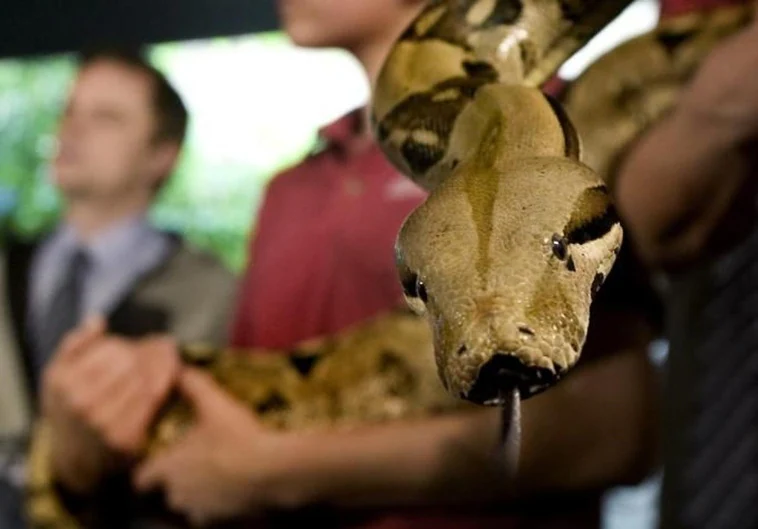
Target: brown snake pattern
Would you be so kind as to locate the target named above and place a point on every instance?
(501, 263)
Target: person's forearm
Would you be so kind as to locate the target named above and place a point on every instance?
(679, 182)
(596, 429)
(685, 188)
(458, 458)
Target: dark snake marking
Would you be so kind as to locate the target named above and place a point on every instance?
(426, 111)
(570, 136)
(450, 29)
(504, 15)
(304, 363)
(580, 15)
(391, 362)
(274, 402)
(573, 10)
(597, 225)
(672, 41)
(480, 69)
(594, 229)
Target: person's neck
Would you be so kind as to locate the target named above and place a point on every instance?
(372, 55)
(91, 218)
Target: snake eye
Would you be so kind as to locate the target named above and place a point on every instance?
(560, 246)
(413, 287)
(421, 291)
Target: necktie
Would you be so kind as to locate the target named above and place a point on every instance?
(711, 473)
(64, 310)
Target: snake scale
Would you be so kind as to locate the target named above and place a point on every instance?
(501, 263)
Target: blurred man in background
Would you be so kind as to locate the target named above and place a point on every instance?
(119, 141)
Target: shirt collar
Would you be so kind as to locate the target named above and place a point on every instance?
(343, 132)
(555, 86)
(110, 246)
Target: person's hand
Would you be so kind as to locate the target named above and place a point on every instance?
(225, 465)
(725, 87)
(99, 394)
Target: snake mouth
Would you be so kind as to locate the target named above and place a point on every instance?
(503, 373)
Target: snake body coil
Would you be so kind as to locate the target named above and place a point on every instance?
(504, 257)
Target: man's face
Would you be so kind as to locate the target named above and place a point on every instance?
(106, 145)
(339, 23)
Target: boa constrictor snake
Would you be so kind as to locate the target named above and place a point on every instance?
(517, 235)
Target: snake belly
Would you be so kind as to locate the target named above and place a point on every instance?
(502, 261)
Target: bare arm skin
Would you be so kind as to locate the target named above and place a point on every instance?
(592, 431)
(99, 394)
(688, 187)
(599, 427)
(596, 429)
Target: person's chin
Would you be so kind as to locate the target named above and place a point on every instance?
(66, 181)
(305, 39)
(301, 32)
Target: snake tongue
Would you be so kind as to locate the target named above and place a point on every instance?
(504, 373)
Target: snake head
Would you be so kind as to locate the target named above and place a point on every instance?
(505, 263)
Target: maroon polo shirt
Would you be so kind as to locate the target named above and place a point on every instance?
(677, 7)
(322, 255)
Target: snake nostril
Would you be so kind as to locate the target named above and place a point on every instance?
(526, 330)
(461, 350)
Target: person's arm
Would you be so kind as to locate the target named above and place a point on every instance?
(595, 429)
(592, 430)
(680, 185)
(599, 427)
(453, 459)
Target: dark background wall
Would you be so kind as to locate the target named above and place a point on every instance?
(33, 27)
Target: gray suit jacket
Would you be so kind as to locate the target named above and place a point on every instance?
(190, 296)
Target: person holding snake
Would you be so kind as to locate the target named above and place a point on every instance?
(506, 268)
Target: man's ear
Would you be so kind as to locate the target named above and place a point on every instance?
(164, 159)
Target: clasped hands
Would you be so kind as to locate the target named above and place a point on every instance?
(100, 393)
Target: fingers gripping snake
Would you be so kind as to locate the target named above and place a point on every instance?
(501, 263)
